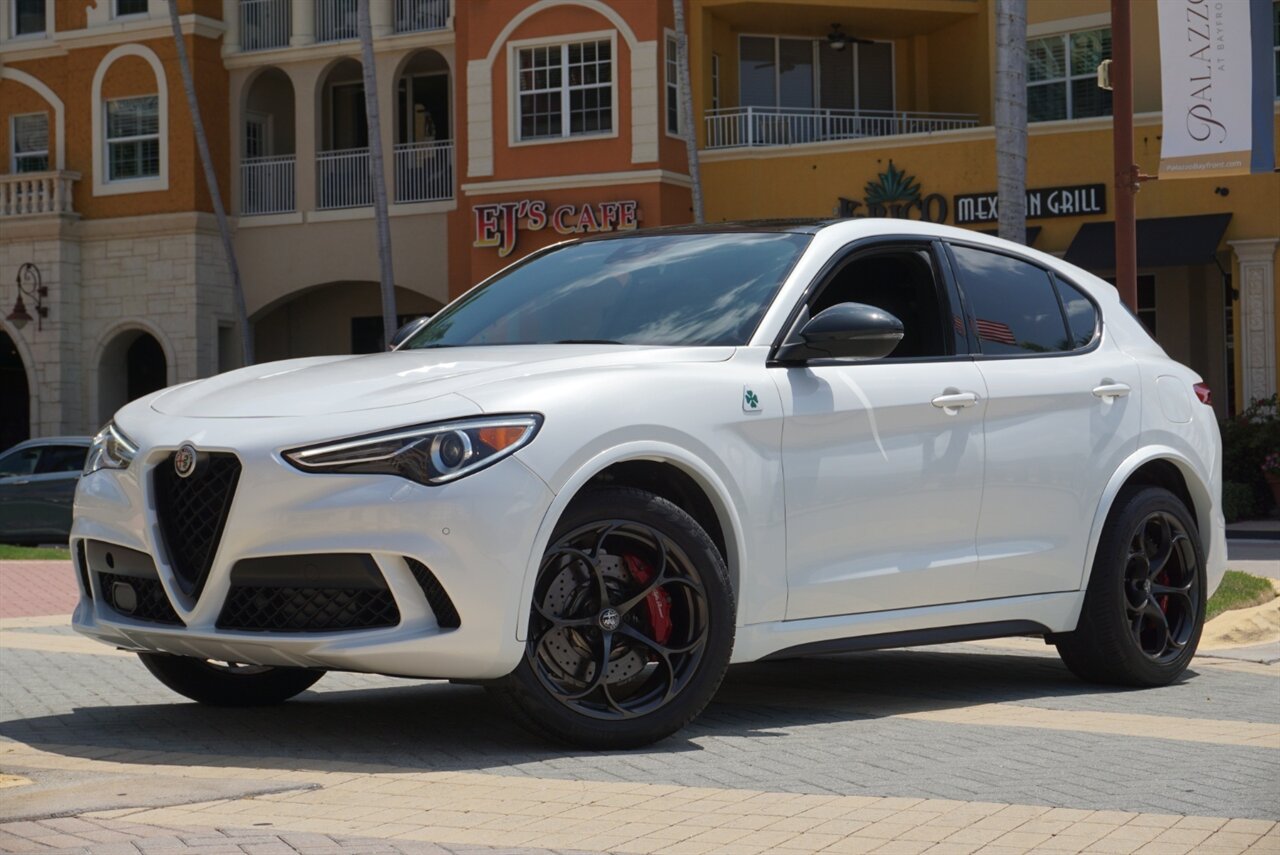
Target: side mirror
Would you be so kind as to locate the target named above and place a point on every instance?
(845, 331)
(408, 330)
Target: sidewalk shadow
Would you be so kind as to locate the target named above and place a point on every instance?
(436, 726)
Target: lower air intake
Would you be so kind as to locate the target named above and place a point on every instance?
(443, 608)
(137, 598)
(294, 609)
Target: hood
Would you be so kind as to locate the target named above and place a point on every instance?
(342, 384)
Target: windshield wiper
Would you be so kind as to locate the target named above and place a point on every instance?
(586, 341)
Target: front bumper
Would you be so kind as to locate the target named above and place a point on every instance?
(476, 536)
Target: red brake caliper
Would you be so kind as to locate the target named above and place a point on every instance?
(658, 602)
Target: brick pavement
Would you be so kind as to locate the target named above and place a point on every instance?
(955, 749)
(37, 588)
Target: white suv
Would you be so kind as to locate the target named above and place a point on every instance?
(621, 464)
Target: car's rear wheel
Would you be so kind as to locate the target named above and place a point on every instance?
(1144, 607)
(228, 684)
(631, 625)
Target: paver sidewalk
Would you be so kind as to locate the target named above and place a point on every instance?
(30, 588)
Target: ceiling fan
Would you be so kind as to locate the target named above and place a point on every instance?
(837, 38)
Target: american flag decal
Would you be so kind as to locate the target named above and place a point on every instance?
(996, 331)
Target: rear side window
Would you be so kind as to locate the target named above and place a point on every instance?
(61, 458)
(1082, 317)
(1015, 309)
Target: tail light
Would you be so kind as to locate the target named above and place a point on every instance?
(1203, 393)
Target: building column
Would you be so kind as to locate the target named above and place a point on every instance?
(1256, 283)
(388, 109)
(304, 23)
(381, 19)
(231, 19)
(306, 134)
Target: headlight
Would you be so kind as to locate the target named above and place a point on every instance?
(428, 454)
(111, 449)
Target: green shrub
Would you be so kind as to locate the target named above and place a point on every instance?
(1238, 502)
(1247, 439)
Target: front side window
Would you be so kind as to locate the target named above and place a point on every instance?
(1015, 309)
(1062, 80)
(904, 283)
(31, 143)
(690, 289)
(28, 17)
(124, 8)
(61, 458)
(133, 138)
(673, 86)
(21, 462)
(565, 90)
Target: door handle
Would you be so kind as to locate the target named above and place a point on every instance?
(19, 483)
(1109, 390)
(955, 400)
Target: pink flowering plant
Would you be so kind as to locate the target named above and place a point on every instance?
(1271, 463)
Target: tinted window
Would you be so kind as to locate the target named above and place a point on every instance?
(1013, 303)
(1082, 317)
(691, 289)
(19, 462)
(61, 458)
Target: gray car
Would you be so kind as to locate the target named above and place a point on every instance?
(37, 486)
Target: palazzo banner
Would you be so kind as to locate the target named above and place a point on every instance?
(1217, 83)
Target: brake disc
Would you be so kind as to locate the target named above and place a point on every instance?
(567, 646)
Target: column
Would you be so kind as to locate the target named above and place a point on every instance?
(385, 69)
(380, 18)
(1256, 283)
(306, 133)
(231, 19)
(304, 23)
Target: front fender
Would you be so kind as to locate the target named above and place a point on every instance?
(726, 498)
(1208, 513)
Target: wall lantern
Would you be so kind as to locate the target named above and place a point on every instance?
(29, 283)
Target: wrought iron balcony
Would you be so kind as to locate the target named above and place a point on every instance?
(735, 127)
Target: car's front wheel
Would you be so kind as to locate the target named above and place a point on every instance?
(228, 684)
(1144, 606)
(631, 626)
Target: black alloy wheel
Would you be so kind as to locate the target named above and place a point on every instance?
(1162, 598)
(630, 627)
(1143, 609)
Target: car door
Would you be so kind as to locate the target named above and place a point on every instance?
(1062, 413)
(52, 490)
(882, 459)
(17, 467)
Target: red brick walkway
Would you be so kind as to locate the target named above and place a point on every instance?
(30, 588)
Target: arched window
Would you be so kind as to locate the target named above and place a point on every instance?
(130, 132)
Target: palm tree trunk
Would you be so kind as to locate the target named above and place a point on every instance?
(211, 180)
(1011, 118)
(689, 130)
(377, 174)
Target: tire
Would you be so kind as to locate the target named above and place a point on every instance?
(665, 628)
(228, 685)
(1144, 607)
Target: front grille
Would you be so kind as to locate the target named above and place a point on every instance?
(150, 602)
(441, 605)
(290, 609)
(192, 512)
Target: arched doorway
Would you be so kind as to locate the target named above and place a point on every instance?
(267, 158)
(133, 364)
(15, 395)
(424, 132)
(334, 318)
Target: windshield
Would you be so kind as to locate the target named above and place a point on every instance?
(682, 289)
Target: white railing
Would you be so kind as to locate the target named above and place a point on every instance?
(424, 171)
(336, 20)
(31, 193)
(266, 185)
(342, 179)
(264, 24)
(414, 16)
(731, 127)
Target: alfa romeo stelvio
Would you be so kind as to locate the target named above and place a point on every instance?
(619, 465)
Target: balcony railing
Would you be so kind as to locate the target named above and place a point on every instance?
(336, 20)
(733, 127)
(342, 179)
(264, 24)
(266, 185)
(415, 16)
(29, 194)
(424, 171)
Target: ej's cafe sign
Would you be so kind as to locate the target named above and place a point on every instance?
(499, 224)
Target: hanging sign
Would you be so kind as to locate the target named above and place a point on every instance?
(1217, 81)
(499, 224)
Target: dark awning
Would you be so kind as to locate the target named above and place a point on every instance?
(1033, 232)
(1162, 242)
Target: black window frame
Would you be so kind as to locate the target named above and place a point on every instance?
(950, 297)
(1053, 275)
